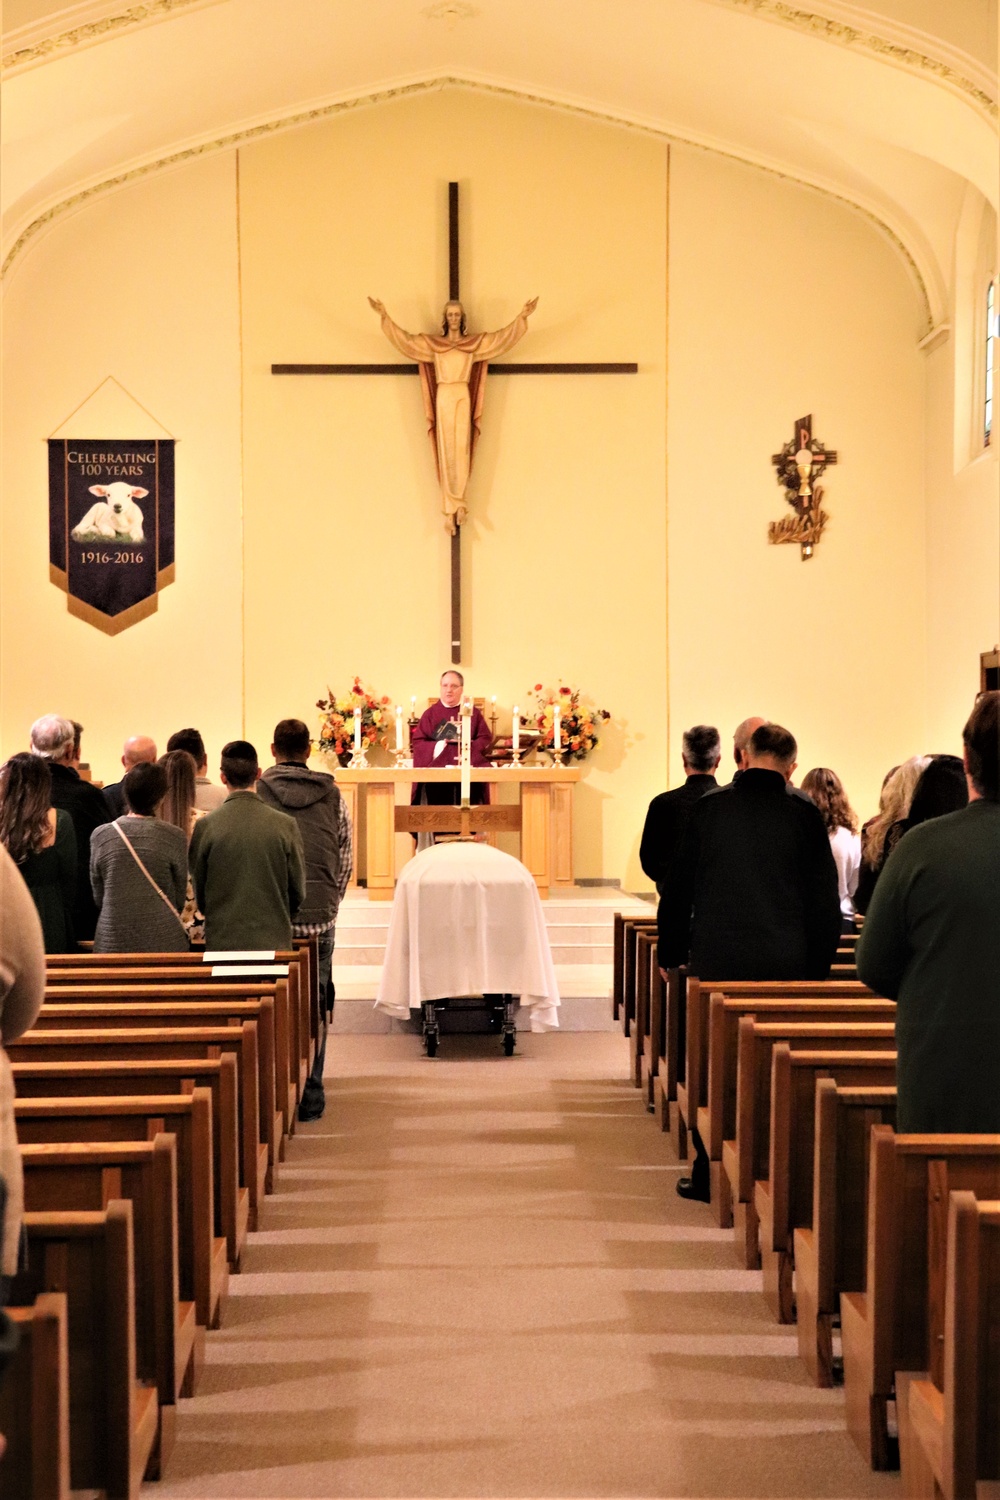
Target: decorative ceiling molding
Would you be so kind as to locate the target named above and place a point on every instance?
(874, 213)
(828, 28)
(101, 29)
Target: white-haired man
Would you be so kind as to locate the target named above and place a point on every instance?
(52, 738)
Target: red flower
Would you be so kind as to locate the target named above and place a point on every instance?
(564, 689)
(538, 687)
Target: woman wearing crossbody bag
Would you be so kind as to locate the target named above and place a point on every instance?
(138, 872)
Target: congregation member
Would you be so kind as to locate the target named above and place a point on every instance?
(741, 743)
(77, 755)
(247, 862)
(435, 742)
(753, 892)
(207, 796)
(942, 788)
(313, 799)
(931, 942)
(178, 808)
(52, 740)
(138, 871)
(135, 751)
(668, 814)
(22, 989)
(882, 833)
(40, 840)
(827, 791)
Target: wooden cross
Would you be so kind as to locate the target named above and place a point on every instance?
(493, 369)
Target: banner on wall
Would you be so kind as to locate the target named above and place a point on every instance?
(111, 527)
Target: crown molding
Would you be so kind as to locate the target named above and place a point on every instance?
(894, 44)
(91, 22)
(926, 283)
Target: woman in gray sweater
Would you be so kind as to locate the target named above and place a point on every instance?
(138, 871)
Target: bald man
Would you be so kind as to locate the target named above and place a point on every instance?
(741, 740)
(135, 751)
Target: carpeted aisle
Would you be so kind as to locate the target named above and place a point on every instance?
(475, 1279)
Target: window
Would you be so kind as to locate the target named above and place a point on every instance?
(991, 323)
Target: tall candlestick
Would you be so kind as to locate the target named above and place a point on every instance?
(357, 731)
(413, 706)
(515, 739)
(399, 727)
(557, 729)
(466, 752)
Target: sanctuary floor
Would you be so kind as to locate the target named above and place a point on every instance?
(475, 1279)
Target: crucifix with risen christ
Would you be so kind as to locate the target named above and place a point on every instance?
(452, 366)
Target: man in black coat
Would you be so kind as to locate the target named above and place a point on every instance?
(753, 892)
(668, 813)
(52, 738)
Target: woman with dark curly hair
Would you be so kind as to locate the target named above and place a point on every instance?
(827, 791)
(40, 840)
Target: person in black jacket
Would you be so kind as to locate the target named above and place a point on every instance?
(753, 892)
(53, 738)
(668, 813)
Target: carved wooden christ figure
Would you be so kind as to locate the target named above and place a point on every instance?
(453, 380)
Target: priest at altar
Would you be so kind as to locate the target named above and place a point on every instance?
(435, 741)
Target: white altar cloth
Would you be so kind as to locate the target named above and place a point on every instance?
(467, 920)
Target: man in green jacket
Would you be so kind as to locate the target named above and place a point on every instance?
(931, 942)
(247, 862)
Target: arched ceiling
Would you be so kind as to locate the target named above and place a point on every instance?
(849, 99)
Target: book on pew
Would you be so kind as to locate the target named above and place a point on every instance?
(238, 956)
(249, 971)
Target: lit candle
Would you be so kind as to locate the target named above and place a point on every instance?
(357, 731)
(516, 735)
(399, 727)
(557, 729)
(413, 706)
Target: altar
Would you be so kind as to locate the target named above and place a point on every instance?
(545, 795)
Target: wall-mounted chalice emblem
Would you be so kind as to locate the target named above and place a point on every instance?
(800, 464)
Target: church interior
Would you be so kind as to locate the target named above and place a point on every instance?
(474, 1277)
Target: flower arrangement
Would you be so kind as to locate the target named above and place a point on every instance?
(578, 723)
(336, 731)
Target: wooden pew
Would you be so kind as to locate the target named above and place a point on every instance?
(692, 1087)
(169, 1345)
(745, 1159)
(670, 1065)
(183, 988)
(784, 1201)
(830, 1252)
(717, 1117)
(203, 1268)
(949, 1434)
(97, 1015)
(40, 1080)
(655, 1042)
(196, 1042)
(645, 948)
(897, 1321)
(623, 969)
(112, 1417)
(77, 968)
(34, 1403)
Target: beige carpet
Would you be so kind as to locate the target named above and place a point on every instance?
(475, 1279)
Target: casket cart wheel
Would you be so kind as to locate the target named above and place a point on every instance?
(431, 1032)
(508, 1043)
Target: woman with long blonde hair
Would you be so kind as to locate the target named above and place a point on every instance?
(178, 808)
(876, 841)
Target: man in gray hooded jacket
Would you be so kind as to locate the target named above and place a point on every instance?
(313, 800)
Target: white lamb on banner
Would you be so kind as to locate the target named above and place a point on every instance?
(115, 516)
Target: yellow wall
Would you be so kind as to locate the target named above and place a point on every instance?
(783, 303)
(324, 521)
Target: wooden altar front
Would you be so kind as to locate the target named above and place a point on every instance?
(546, 800)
